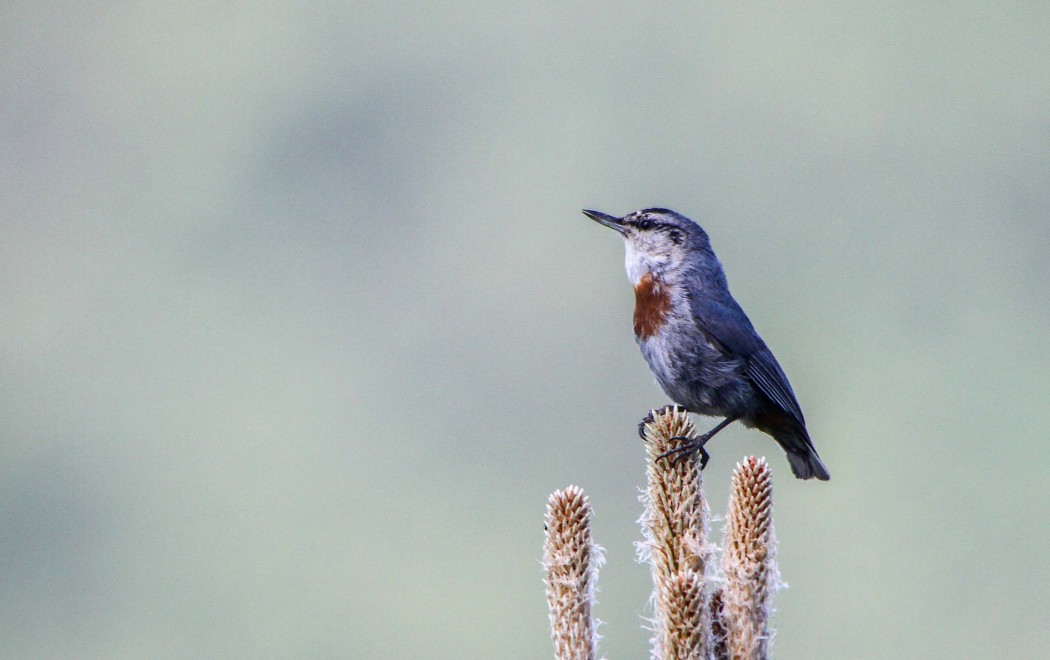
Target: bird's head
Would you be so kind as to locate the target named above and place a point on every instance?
(657, 240)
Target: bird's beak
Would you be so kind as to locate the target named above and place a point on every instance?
(607, 220)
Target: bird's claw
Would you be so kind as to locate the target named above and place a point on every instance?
(686, 448)
(651, 417)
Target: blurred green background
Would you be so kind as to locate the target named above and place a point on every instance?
(302, 323)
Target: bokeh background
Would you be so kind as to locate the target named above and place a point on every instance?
(301, 322)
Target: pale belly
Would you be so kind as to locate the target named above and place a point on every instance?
(698, 376)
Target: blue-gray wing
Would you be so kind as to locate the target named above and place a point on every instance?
(766, 374)
(726, 326)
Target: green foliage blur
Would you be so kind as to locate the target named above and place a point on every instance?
(302, 323)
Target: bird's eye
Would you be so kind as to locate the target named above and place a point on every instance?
(645, 224)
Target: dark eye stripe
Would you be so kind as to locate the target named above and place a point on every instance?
(646, 224)
(673, 232)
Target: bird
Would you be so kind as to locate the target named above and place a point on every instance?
(699, 343)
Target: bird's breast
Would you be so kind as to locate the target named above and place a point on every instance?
(652, 305)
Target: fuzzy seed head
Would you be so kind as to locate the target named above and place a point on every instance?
(749, 561)
(571, 561)
(674, 528)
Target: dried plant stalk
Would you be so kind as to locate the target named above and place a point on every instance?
(718, 630)
(749, 561)
(684, 619)
(675, 525)
(571, 562)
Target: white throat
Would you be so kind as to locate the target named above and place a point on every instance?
(640, 264)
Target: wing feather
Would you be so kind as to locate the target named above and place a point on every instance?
(726, 326)
(764, 372)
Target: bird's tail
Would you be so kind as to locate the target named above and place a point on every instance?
(801, 453)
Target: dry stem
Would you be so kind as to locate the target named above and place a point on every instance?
(749, 561)
(571, 562)
(675, 528)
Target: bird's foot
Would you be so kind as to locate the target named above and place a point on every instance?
(689, 446)
(649, 419)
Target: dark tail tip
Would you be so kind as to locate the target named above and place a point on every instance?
(807, 465)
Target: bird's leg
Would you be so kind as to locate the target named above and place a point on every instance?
(695, 444)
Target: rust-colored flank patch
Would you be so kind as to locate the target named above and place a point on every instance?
(652, 303)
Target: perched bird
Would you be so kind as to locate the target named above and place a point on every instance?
(699, 344)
